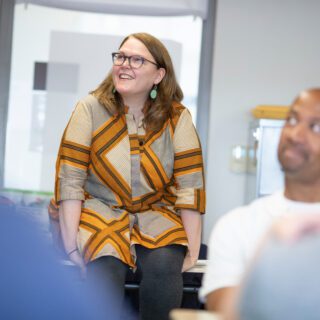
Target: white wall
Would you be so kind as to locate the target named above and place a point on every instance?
(265, 53)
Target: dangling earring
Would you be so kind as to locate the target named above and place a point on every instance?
(153, 92)
(114, 90)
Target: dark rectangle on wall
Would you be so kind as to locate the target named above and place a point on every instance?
(40, 76)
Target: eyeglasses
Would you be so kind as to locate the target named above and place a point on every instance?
(135, 62)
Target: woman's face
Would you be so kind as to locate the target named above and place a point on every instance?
(136, 83)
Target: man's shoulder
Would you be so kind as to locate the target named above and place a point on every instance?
(257, 209)
(267, 203)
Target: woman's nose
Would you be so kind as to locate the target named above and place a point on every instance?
(126, 62)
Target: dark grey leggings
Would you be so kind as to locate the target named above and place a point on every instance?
(161, 284)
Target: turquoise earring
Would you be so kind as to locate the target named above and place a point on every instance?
(153, 92)
(114, 90)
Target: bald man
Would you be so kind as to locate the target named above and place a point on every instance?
(235, 237)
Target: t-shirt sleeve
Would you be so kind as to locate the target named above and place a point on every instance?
(226, 258)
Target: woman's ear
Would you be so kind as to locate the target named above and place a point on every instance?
(160, 75)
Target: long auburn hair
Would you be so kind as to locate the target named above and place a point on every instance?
(157, 111)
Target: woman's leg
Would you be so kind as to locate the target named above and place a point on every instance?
(106, 277)
(161, 285)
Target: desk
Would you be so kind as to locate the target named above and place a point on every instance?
(184, 314)
(200, 267)
(191, 284)
(191, 279)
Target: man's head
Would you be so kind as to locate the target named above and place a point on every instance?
(299, 146)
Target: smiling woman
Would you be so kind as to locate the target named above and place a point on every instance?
(133, 83)
(136, 85)
(129, 179)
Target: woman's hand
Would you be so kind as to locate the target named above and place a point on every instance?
(76, 258)
(191, 220)
(69, 213)
(189, 261)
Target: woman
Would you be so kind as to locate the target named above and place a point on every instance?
(129, 178)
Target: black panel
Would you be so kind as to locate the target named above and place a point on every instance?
(40, 76)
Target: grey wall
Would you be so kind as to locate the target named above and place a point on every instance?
(6, 26)
(265, 52)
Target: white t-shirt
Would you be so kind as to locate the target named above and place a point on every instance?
(237, 234)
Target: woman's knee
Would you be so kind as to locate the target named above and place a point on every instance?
(162, 262)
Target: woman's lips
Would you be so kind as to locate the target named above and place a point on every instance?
(125, 76)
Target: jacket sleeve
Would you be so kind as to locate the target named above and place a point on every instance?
(74, 156)
(188, 165)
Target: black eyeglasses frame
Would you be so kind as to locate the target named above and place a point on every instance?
(143, 59)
